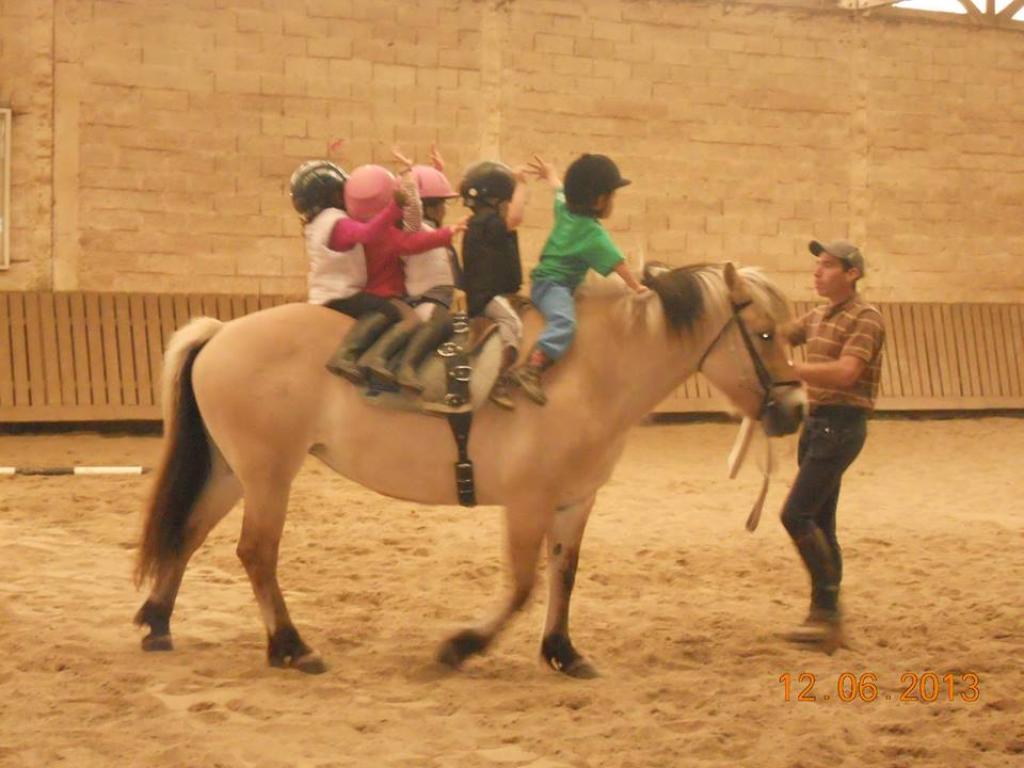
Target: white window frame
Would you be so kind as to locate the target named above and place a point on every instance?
(5, 188)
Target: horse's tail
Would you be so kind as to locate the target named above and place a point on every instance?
(185, 465)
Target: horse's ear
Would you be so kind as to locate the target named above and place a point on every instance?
(736, 284)
(654, 268)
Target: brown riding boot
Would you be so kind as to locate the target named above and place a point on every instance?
(501, 392)
(356, 341)
(528, 376)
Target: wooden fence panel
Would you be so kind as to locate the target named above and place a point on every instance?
(6, 355)
(98, 356)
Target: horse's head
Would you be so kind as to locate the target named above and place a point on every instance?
(741, 353)
(748, 360)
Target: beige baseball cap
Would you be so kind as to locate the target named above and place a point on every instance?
(845, 251)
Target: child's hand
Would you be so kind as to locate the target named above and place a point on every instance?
(544, 170)
(401, 159)
(519, 173)
(460, 226)
(435, 158)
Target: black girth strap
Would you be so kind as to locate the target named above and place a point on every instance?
(460, 419)
(464, 485)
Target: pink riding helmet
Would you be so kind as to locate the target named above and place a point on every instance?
(432, 184)
(368, 191)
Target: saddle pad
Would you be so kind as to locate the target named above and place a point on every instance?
(485, 358)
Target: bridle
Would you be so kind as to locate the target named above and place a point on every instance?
(764, 378)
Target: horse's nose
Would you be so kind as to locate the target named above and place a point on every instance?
(783, 416)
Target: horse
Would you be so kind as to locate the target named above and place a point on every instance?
(244, 402)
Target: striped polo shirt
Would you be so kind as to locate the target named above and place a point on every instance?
(853, 327)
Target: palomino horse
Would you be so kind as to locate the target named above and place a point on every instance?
(246, 401)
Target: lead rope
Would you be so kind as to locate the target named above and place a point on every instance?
(736, 457)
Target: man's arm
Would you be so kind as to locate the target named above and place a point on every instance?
(835, 374)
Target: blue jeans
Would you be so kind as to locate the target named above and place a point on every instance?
(556, 303)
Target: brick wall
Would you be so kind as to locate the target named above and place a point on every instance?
(26, 86)
(748, 127)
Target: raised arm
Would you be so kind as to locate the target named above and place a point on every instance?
(517, 205)
(412, 209)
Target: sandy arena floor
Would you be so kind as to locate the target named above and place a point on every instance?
(677, 605)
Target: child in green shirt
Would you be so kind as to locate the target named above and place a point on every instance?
(577, 243)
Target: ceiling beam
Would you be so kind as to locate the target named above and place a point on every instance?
(972, 9)
(1011, 10)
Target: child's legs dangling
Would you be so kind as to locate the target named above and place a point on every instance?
(374, 316)
(510, 327)
(558, 306)
(510, 331)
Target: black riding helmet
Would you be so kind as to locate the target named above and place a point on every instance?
(487, 182)
(316, 185)
(589, 177)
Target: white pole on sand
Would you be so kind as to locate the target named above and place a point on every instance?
(122, 470)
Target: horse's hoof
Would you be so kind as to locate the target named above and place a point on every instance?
(557, 652)
(461, 646)
(448, 656)
(581, 669)
(310, 663)
(153, 642)
(825, 638)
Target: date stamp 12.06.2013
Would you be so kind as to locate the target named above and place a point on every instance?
(914, 687)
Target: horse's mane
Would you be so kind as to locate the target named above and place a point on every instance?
(687, 293)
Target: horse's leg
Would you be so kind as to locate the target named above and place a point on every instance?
(526, 524)
(563, 540)
(266, 504)
(221, 492)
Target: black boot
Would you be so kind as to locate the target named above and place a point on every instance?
(375, 361)
(356, 341)
(825, 596)
(826, 631)
(426, 338)
(821, 563)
